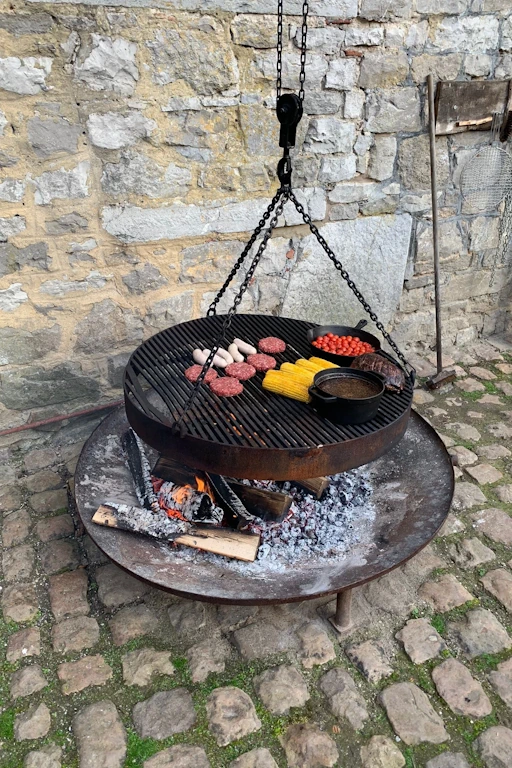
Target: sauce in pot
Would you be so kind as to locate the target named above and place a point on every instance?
(349, 387)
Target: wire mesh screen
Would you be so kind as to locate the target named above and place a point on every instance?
(487, 178)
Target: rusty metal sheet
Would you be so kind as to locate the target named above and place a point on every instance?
(468, 101)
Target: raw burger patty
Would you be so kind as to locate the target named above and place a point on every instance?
(240, 371)
(226, 387)
(271, 345)
(192, 374)
(262, 362)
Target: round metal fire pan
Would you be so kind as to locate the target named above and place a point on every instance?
(255, 435)
(413, 488)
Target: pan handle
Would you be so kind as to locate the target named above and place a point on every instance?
(361, 324)
(315, 392)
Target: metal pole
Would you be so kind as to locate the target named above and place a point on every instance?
(342, 619)
(435, 222)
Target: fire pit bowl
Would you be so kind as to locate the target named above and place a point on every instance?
(412, 492)
(329, 402)
(339, 330)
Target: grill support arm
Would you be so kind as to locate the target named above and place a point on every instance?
(342, 618)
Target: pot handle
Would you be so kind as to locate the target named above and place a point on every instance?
(315, 392)
(361, 324)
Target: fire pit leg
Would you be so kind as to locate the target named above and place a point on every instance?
(342, 619)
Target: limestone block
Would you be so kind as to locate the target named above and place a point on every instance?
(61, 184)
(106, 326)
(114, 131)
(367, 34)
(442, 67)
(433, 7)
(326, 135)
(12, 190)
(342, 74)
(315, 291)
(49, 136)
(20, 347)
(354, 104)
(382, 10)
(94, 280)
(471, 33)
(138, 174)
(34, 387)
(394, 109)
(414, 162)
(26, 24)
(11, 226)
(265, 67)
(382, 158)
(12, 258)
(478, 64)
(25, 76)
(200, 57)
(325, 39)
(12, 297)
(259, 32)
(176, 309)
(110, 66)
(383, 69)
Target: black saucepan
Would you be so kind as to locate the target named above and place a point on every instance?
(340, 330)
(346, 409)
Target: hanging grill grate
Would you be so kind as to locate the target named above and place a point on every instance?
(256, 434)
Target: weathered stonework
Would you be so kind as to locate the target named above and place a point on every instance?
(139, 146)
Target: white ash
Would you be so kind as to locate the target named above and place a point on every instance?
(315, 530)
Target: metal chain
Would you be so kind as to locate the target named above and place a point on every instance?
(303, 45)
(339, 266)
(279, 46)
(303, 48)
(276, 206)
(212, 309)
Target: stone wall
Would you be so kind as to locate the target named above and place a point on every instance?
(138, 148)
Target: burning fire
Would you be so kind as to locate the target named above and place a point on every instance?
(180, 495)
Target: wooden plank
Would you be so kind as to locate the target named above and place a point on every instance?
(315, 485)
(220, 541)
(461, 105)
(242, 546)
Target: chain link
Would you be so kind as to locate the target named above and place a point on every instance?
(279, 46)
(303, 48)
(212, 309)
(275, 210)
(339, 266)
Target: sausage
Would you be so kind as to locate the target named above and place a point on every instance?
(217, 360)
(247, 349)
(199, 356)
(235, 354)
(225, 355)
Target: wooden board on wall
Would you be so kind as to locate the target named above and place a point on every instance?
(469, 102)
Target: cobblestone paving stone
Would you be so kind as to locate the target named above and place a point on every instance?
(96, 669)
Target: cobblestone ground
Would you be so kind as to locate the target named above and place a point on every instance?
(99, 671)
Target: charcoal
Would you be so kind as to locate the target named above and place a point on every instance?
(140, 470)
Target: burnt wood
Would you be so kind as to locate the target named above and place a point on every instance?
(256, 435)
(268, 505)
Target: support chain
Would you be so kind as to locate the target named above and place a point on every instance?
(274, 210)
(303, 48)
(343, 272)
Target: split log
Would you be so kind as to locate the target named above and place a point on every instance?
(267, 505)
(220, 541)
(315, 485)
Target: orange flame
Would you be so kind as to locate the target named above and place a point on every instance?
(203, 487)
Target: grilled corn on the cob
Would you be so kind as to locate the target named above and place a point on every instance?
(282, 383)
(300, 374)
(322, 362)
(308, 365)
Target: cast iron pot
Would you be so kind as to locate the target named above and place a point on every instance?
(340, 330)
(346, 410)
